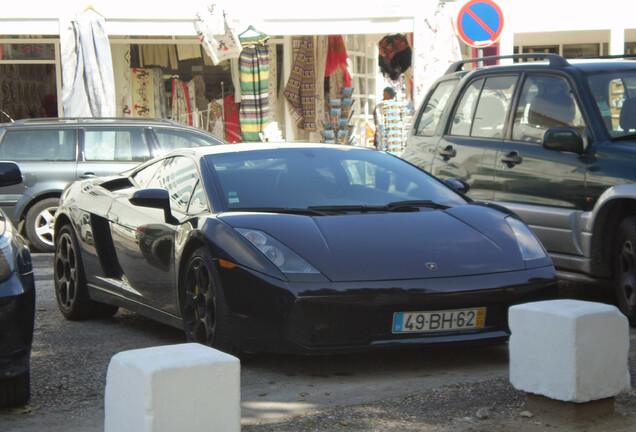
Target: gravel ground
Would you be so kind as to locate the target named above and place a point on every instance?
(485, 406)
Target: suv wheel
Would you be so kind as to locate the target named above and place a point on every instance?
(625, 269)
(38, 224)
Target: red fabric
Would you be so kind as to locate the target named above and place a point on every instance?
(337, 58)
(232, 122)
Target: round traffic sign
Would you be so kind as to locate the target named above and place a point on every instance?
(479, 23)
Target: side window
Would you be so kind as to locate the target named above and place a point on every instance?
(179, 176)
(143, 176)
(545, 102)
(198, 203)
(492, 107)
(171, 139)
(39, 145)
(465, 110)
(434, 107)
(121, 144)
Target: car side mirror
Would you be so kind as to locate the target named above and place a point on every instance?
(457, 184)
(564, 139)
(10, 174)
(154, 198)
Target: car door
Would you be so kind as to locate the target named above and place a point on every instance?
(109, 150)
(530, 178)
(47, 158)
(474, 133)
(424, 137)
(144, 241)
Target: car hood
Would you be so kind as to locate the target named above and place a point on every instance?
(385, 246)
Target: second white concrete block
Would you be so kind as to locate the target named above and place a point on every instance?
(569, 350)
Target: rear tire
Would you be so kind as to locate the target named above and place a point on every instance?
(70, 282)
(625, 269)
(203, 308)
(38, 224)
(15, 391)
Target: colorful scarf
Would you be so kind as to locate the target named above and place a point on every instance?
(300, 90)
(254, 77)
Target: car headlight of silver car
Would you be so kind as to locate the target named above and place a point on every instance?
(284, 258)
(531, 248)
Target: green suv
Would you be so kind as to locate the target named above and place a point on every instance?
(552, 140)
(51, 152)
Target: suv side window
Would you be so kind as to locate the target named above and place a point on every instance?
(483, 108)
(434, 107)
(121, 144)
(545, 102)
(39, 145)
(170, 140)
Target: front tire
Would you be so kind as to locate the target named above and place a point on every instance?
(15, 391)
(70, 282)
(625, 269)
(38, 224)
(204, 311)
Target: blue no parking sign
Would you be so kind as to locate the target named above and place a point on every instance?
(479, 23)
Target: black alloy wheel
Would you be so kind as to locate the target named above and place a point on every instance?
(204, 312)
(70, 282)
(625, 269)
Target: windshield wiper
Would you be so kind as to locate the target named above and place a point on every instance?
(397, 206)
(414, 204)
(626, 137)
(285, 210)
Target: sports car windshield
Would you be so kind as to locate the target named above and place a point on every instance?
(615, 96)
(324, 179)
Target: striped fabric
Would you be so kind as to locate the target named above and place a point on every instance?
(300, 90)
(254, 77)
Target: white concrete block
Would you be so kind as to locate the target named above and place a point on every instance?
(569, 350)
(173, 388)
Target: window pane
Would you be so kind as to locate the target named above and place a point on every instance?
(545, 102)
(464, 114)
(433, 110)
(115, 145)
(170, 140)
(178, 176)
(38, 145)
(492, 107)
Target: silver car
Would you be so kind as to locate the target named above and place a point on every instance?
(51, 152)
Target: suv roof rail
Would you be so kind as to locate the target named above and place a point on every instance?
(94, 119)
(554, 59)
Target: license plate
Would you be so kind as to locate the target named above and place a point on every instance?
(434, 321)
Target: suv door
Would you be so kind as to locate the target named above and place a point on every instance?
(47, 159)
(530, 178)
(474, 132)
(111, 150)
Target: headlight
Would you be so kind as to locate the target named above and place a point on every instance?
(528, 243)
(284, 258)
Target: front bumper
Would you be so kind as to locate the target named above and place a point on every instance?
(314, 318)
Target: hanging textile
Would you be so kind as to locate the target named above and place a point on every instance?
(122, 73)
(436, 47)
(301, 87)
(88, 82)
(164, 56)
(159, 93)
(215, 121)
(272, 83)
(337, 58)
(231, 118)
(254, 74)
(395, 55)
(181, 109)
(218, 37)
(142, 87)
